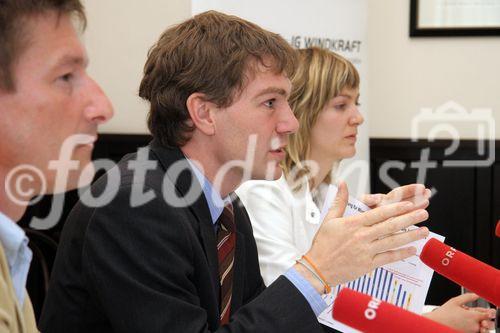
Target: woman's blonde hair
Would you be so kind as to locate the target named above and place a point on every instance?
(321, 75)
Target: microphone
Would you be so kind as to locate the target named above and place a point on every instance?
(468, 272)
(371, 315)
(497, 231)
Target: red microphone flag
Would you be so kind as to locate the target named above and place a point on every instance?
(463, 269)
(370, 315)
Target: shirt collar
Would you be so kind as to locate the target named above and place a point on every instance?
(15, 244)
(12, 238)
(214, 200)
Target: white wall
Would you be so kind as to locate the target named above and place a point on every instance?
(406, 74)
(118, 37)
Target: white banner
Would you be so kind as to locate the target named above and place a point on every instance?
(338, 25)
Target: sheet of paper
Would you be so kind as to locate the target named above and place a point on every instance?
(404, 283)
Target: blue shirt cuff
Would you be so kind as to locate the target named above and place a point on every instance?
(314, 299)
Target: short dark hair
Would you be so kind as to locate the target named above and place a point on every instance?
(14, 34)
(210, 54)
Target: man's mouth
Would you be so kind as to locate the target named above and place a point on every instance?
(87, 140)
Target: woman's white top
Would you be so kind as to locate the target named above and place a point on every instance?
(284, 223)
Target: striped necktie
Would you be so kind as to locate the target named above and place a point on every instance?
(226, 241)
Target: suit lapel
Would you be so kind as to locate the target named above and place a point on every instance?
(167, 157)
(209, 241)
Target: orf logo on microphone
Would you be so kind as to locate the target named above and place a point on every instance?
(448, 256)
(371, 311)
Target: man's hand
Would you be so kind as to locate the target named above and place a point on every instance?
(346, 248)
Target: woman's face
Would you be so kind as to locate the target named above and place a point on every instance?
(334, 134)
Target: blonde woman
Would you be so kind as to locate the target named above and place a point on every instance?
(285, 214)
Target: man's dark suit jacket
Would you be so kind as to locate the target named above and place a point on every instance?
(153, 268)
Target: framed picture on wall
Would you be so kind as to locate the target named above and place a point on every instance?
(434, 18)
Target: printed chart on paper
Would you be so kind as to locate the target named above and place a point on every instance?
(404, 283)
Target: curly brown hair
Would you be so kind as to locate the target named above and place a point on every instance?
(211, 53)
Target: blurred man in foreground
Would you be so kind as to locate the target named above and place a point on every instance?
(47, 101)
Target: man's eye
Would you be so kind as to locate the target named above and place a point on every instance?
(270, 103)
(66, 77)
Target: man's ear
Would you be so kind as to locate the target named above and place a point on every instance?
(201, 113)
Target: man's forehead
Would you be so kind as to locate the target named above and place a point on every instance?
(273, 90)
(55, 38)
(262, 78)
(270, 83)
(71, 58)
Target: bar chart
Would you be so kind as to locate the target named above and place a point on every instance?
(403, 283)
(382, 284)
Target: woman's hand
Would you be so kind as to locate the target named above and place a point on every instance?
(416, 193)
(456, 315)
